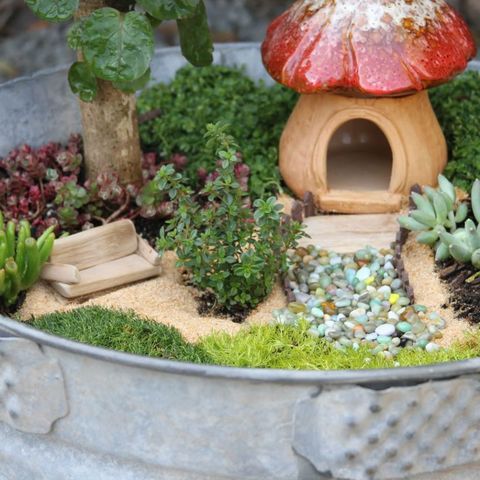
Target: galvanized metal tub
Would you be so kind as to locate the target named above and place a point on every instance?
(71, 411)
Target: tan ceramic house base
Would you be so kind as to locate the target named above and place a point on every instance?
(360, 155)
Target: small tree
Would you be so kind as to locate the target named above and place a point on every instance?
(115, 44)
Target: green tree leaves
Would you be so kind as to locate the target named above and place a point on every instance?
(53, 10)
(195, 38)
(132, 87)
(118, 47)
(82, 81)
(169, 9)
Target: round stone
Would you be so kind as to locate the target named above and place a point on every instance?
(432, 347)
(393, 316)
(321, 330)
(422, 343)
(385, 330)
(384, 340)
(404, 327)
(396, 284)
(363, 273)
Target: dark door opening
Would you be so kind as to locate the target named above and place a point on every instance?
(359, 157)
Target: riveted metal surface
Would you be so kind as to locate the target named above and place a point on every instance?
(32, 393)
(132, 417)
(361, 434)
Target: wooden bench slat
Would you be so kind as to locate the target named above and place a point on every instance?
(96, 246)
(109, 275)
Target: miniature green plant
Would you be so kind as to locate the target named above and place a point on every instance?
(438, 210)
(21, 258)
(438, 217)
(232, 252)
(457, 106)
(464, 244)
(256, 113)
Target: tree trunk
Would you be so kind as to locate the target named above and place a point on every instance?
(110, 127)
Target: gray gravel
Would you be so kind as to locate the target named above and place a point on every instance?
(357, 300)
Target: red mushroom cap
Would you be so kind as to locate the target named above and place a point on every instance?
(367, 47)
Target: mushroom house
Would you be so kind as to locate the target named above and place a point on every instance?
(364, 131)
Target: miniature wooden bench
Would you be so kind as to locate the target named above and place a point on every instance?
(100, 258)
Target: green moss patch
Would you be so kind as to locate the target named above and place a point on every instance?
(290, 347)
(120, 330)
(267, 346)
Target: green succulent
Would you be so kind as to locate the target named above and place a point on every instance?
(437, 218)
(21, 258)
(438, 211)
(464, 244)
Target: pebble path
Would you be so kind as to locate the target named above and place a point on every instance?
(354, 300)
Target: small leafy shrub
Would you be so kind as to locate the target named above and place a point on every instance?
(457, 105)
(230, 251)
(196, 97)
(21, 258)
(124, 331)
(439, 210)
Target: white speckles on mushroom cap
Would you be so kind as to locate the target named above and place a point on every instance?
(378, 15)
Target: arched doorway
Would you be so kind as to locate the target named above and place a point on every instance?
(359, 158)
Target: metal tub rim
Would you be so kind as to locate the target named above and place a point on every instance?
(392, 376)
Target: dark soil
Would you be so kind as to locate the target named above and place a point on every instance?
(10, 310)
(149, 228)
(464, 288)
(207, 305)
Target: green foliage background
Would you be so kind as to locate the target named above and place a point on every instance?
(457, 105)
(256, 114)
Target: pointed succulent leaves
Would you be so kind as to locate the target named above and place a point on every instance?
(82, 81)
(476, 259)
(21, 259)
(169, 9)
(476, 200)
(460, 253)
(428, 238)
(53, 10)
(442, 253)
(473, 237)
(411, 224)
(462, 212)
(425, 218)
(423, 204)
(447, 187)
(195, 37)
(117, 46)
(441, 207)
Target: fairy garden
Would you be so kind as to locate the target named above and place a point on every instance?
(203, 221)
